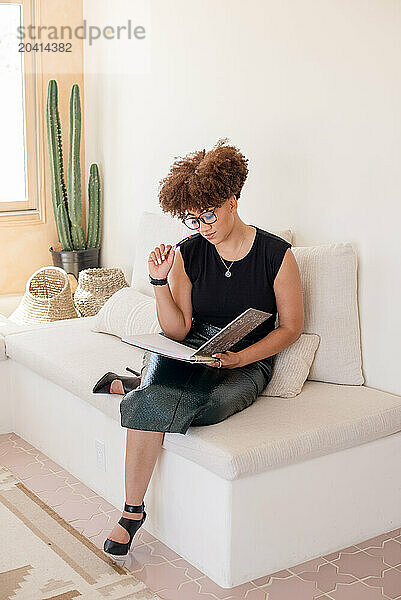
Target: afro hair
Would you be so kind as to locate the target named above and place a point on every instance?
(203, 179)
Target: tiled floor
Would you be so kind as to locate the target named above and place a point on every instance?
(370, 570)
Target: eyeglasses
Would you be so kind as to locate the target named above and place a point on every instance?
(206, 217)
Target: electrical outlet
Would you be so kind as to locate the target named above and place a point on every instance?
(100, 455)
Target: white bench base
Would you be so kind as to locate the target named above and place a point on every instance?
(233, 531)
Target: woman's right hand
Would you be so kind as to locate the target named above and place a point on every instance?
(159, 266)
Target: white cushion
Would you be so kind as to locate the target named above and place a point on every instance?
(272, 432)
(8, 326)
(74, 357)
(329, 282)
(127, 312)
(291, 367)
(155, 229)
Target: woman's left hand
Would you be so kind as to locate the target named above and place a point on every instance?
(229, 360)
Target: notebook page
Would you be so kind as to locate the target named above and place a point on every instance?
(155, 342)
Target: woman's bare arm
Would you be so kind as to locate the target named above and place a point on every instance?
(174, 302)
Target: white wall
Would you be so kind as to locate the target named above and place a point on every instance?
(309, 91)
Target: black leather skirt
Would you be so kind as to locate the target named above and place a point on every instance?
(174, 394)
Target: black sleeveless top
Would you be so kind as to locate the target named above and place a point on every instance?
(218, 299)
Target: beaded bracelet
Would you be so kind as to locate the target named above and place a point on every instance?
(154, 281)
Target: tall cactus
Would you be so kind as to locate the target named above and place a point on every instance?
(74, 171)
(68, 208)
(59, 192)
(93, 237)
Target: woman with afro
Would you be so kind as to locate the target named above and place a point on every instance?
(225, 267)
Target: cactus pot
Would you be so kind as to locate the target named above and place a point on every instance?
(74, 261)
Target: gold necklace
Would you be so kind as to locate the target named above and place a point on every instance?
(228, 273)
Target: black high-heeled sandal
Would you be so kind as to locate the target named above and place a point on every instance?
(129, 383)
(131, 525)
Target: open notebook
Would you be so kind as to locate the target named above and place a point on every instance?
(223, 340)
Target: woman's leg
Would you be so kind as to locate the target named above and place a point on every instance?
(228, 391)
(142, 450)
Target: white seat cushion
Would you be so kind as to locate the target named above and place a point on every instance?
(7, 326)
(74, 357)
(273, 432)
(323, 418)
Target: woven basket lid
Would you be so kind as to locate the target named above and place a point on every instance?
(47, 297)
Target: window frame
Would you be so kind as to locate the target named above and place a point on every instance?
(32, 209)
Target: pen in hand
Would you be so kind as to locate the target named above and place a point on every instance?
(160, 263)
(177, 244)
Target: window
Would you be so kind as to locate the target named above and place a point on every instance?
(19, 156)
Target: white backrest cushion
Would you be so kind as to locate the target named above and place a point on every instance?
(127, 312)
(329, 282)
(155, 229)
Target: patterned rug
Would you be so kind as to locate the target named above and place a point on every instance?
(43, 557)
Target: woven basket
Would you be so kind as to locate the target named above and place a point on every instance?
(47, 297)
(95, 287)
